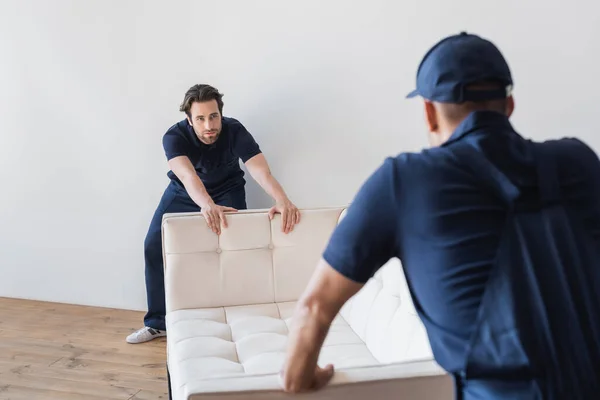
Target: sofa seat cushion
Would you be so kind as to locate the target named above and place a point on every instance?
(247, 340)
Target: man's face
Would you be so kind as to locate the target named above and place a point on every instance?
(206, 120)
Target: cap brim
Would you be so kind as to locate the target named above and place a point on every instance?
(412, 94)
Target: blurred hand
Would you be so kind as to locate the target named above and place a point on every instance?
(290, 215)
(215, 216)
(319, 379)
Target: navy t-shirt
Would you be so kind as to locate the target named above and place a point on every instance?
(216, 164)
(428, 210)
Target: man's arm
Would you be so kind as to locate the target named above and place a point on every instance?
(260, 171)
(184, 170)
(322, 300)
(362, 242)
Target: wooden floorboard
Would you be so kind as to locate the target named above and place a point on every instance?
(62, 351)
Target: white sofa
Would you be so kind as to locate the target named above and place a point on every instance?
(230, 299)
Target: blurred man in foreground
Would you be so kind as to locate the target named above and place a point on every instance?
(499, 238)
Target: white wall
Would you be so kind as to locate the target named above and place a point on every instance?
(87, 89)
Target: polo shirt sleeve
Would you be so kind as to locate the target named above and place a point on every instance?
(175, 145)
(244, 145)
(365, 239)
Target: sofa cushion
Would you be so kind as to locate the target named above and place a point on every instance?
(224, 341)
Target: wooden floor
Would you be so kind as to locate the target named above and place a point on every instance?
(58, 351)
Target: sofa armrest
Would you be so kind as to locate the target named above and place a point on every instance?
(411, 380)
(251, 262)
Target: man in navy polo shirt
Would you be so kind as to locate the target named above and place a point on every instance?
(499, 237)
(203, 152)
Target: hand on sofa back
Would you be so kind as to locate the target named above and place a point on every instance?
(251, 262)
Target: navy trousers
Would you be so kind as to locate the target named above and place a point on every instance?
(175, 199)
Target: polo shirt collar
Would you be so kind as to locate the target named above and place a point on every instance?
(480, 120)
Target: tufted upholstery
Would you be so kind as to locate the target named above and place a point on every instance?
(230, 299)
(382, 315)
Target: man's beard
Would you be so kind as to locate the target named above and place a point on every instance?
(209, 139)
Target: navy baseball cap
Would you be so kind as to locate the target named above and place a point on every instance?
(457, 61)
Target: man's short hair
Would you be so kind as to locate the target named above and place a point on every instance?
(201, 93)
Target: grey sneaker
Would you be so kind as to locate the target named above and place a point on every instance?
(145, 335)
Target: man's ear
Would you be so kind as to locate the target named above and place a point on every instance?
(189, 120)
(431, 117)
(510, 106)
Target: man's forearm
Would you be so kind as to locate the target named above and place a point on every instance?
(270, 185)
(196, 190)
(185, 171)
(323, 298)
(306, 338)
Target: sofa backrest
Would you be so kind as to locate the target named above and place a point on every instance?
(253, 262)
(383, 316)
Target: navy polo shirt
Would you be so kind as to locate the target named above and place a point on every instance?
(428, 210)
(216, 164)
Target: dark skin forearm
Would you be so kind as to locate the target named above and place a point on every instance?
(306, 338)
(320, 303)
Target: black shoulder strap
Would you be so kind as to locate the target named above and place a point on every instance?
(541, 307)
(498, 182)
(489, 174)
(547, 172)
